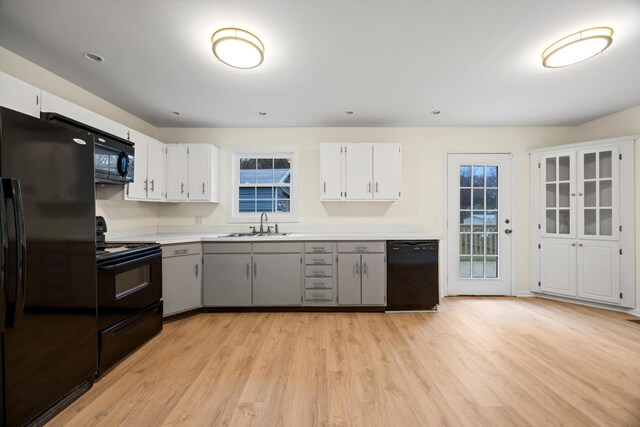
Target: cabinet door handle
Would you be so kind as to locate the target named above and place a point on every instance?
(357, 268)
(255, 270)
(145, 185)
(203, 188)
(325, 187)
(573, 244)
(369, 187)
(182, 188)
(153, 185)
(376, 186)
(196, 270)
(580, 194)
(580, 244)
(248, 271)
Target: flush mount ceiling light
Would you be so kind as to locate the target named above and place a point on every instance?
(577, 47)
(237, 48)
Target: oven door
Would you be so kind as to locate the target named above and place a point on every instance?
(127, 285)
(113, 161)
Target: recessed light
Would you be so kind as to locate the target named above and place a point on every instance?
(175, 113)
(348, 112)
(262, 113)
(93, 57)
(436, 112)
(577, 47)
(237, 48)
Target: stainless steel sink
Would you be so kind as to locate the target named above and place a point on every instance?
(240, 235)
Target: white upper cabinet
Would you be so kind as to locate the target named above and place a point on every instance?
(360, 172)
(156, 170)
(387, 171)
(193, 173)
(19, 96)
(137, 190)
(177, 172)
(55, 104)
(331, 171)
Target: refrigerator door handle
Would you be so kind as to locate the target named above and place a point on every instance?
(4, 241)
(15, 193)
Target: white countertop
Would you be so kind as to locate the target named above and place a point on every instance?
(175, 238)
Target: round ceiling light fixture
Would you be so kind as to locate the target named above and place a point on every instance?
(237, 48)
(577, 47)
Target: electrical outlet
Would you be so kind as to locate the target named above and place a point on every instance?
(197, 220)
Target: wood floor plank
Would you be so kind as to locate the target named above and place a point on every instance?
(479, 361)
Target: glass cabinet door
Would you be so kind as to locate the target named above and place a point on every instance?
(598, 194)
(558, 198)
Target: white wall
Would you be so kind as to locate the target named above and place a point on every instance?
(110, 204)
(623, 123)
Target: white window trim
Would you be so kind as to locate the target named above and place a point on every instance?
(233, 215)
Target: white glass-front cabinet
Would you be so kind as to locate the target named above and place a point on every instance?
(360, 171)
(582, 201)
(193, 173)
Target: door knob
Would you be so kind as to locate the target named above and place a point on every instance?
(508, 231)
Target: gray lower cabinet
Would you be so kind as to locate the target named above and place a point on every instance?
(349, 283)
(362, 278)
(227, 280)
(181, 278)
(373, 279)
(277, 279)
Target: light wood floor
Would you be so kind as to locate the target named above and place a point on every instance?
(480, 361)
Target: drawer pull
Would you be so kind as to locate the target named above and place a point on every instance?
(361, 248)
(181, 252)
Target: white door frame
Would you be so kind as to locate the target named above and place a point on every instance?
(514, 225)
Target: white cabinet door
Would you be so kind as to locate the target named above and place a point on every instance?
(373, 279)
(199, 172)
(227, 280)
(19, 96)
(181, 283)
(598, 191)
(358, 171)
(177, 172)
(349, 279)
(599, 271)
(558, 195)
(156, 171)
(387, 171)
(331, 171)
(277, 279)
(558, 266)
(137, 190)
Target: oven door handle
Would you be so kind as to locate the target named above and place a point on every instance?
(130, 263)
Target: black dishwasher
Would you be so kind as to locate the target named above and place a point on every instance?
(412, 275)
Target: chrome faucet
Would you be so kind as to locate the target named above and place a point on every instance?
(263, 215)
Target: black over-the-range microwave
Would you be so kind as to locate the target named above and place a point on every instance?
(113, 157)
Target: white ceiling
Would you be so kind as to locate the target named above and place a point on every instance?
(390, 61)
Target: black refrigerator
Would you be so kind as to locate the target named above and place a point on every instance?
(47, 268)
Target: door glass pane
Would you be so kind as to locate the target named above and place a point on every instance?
(465, 176)
(606, 227)
(479, 236)
(590, 222)
(605, 193)
(590, 193)
(465, 267)
(590, 166)
(563, 195)
(551, 196)
(478, 176)
(563, 221)
(551, 221)
(564, 165)
(550, 167)
(605, 164)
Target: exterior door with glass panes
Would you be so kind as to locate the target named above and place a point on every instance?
(598, 251)
(479, 224)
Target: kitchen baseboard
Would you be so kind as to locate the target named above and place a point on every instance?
(294, 309)
(630, 311)
(525, 294)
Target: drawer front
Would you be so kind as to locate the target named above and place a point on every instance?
(361, 246)
(226, 248)
(318, 271)
(318, 247)
(318, 283)
(181, 250)
(318, 295)
(318, 259)
(271, 247)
